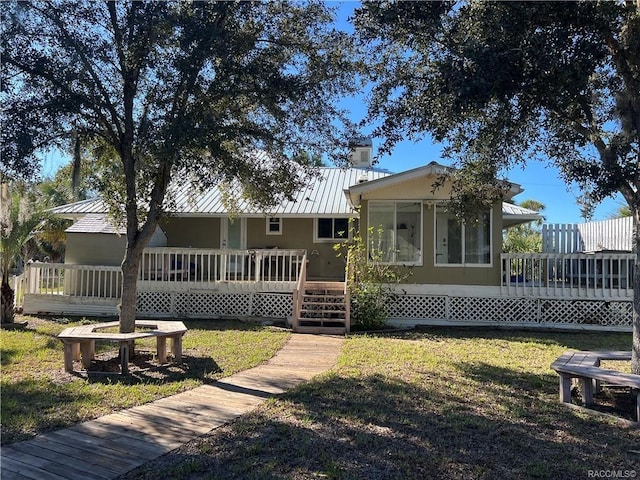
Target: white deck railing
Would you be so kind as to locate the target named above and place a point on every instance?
(167, 268)
(73, 280)
(188, 265)
(575, 274)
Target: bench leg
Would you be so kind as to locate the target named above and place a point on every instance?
(69, 354)
(161, 343)
(124, 358)
(88, 349)
(638, 406)
(587, 391)
(177, 348)
(565, 388)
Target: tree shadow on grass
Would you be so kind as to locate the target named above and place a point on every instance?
(144, 370)
(377, 427)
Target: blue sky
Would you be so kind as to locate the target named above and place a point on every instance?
(539, 181)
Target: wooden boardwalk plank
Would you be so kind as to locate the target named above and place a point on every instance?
(54, 457)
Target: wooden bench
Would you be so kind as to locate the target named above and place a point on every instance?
(80, 342)
(585, 366)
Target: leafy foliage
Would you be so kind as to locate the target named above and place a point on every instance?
(205, 92)
(370, 281)
(507, 83)
(525, 238)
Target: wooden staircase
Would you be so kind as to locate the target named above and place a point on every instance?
(321, 307)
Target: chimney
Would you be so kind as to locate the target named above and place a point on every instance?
(362, 152)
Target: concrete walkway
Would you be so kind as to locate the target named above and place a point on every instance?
(112, 445)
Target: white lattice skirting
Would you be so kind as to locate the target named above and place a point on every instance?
(215, 305)
(408, 310)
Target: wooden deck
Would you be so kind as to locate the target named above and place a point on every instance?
(112, 445)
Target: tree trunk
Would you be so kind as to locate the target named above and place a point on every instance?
(635, 349)
(129, 290)
(6, 309)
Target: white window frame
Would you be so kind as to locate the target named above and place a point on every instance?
(420, 261)
(464, 246)
(317, 239)
(269, 224)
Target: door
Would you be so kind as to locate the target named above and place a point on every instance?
(233, 236)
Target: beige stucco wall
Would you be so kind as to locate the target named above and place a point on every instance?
(196, 232)
(95, 248)
(297, 233)
(429, 273)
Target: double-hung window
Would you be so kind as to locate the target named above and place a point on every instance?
(395, 232)
(459, 243)
(331, 229)
(274, 226)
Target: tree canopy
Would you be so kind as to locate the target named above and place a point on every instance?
(504, 83)
(198, 90)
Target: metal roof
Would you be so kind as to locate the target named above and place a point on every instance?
(95, 223)
(323, 196)
(514, 215)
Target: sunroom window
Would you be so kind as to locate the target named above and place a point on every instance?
(395, 232)
(458, 243)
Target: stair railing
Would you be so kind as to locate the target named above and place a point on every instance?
(347, 297)
(298, 293)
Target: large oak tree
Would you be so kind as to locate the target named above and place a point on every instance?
(159, 90)
(505, 83)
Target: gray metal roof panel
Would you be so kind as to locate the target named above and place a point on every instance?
(323, 195)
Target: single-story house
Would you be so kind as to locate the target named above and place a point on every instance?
(202, 262)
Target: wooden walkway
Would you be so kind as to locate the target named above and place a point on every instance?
(112, 445)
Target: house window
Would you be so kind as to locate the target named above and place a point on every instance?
(331, 229)
(395, 232)
(274, 226)
(458, 243)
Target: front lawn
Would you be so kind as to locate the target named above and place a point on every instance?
(38, 395)
(440, 403)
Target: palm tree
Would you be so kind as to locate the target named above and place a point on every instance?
(16, 228)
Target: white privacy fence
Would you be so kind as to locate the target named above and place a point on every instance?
(615, 234)
(559, 275)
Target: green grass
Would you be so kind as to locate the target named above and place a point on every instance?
(37, 395)
(441, 403)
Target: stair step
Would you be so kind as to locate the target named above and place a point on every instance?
(321, 330)
(313, 297)
(321, 322)
(325, 285)
(324, 301)
(329, 295)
